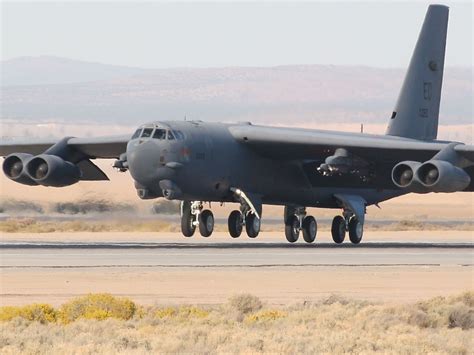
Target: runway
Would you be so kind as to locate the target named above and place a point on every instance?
(148, 254)
(168, 268)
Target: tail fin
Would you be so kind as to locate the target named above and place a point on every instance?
(417, 109)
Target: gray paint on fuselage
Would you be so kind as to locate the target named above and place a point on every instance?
(212, 161)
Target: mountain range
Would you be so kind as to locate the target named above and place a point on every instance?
(51, 89)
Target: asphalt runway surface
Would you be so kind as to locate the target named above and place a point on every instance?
(167, 268)
(43, 254)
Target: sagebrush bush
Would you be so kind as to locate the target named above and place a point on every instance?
(39, 312)
(461, 316)
(98, 306)
(182, 312)
(439, 325)
(265, 316)
(245, 303)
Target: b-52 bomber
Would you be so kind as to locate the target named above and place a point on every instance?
(197, 162)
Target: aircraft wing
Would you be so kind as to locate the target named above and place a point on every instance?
(97, 147)
(296, 143)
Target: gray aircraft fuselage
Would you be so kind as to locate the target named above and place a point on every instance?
(209, 161)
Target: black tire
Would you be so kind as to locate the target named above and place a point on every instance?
(338, 229)
(187, 226)
(206, 223)
(292, 229)
(235, 224)
(288, 213)
(252, 225)
(356, 230)
(310, 229)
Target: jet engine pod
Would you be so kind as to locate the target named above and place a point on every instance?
(51, 170)
(442, 176)
(170, 190)
(14, 168)
(403, 173)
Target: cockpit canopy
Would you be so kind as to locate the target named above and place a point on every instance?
(158, 132)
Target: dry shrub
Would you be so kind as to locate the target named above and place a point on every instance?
(327, 327)
(91, 206)
(421, 319)
(38, 312)
(466, 297)
(332, 299)
(265, 316)
(461, 316)
(30, 225)
(98, 306)
(245, 303)
(13, 206)
(181, 313)
(165, 207)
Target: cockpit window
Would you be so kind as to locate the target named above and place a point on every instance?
(179, 135)
(147, 132)
(137, 133)
(170, 136)
(160, 134)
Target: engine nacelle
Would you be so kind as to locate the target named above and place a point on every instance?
(14, 168)
(51, 170)
(403, 175)
(442, 176)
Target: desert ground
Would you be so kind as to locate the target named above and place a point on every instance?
(411, 279)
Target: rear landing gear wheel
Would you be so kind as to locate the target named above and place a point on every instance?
(252, 225)
(187, 220)
(235, 224)
(310, 228)
(292, 229)
(206, 223)
(356, 230)
(338, 229)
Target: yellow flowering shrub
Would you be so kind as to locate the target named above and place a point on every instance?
(40, 312)
(183, 312)
(98, 306)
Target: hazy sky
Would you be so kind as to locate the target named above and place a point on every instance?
(168, 34)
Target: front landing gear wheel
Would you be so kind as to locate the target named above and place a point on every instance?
(187, 220)
(252, 225)
(235, 224)
(292, 229)
(310, 228)
(206, 223)
(356, 229)
(338, 229)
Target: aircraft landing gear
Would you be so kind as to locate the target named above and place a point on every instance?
(249, 215)
(338, 229)
(194, 215)
(296, 220)
(349, 223)
(356, 230)
(235, 223)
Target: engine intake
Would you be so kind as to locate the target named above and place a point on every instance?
(14, 168)
(442, 176)
(51, 170)
(403, 174)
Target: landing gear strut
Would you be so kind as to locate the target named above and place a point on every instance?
(296, 220)
(194, 215)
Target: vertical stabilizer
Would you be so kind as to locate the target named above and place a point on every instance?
(417, 109)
